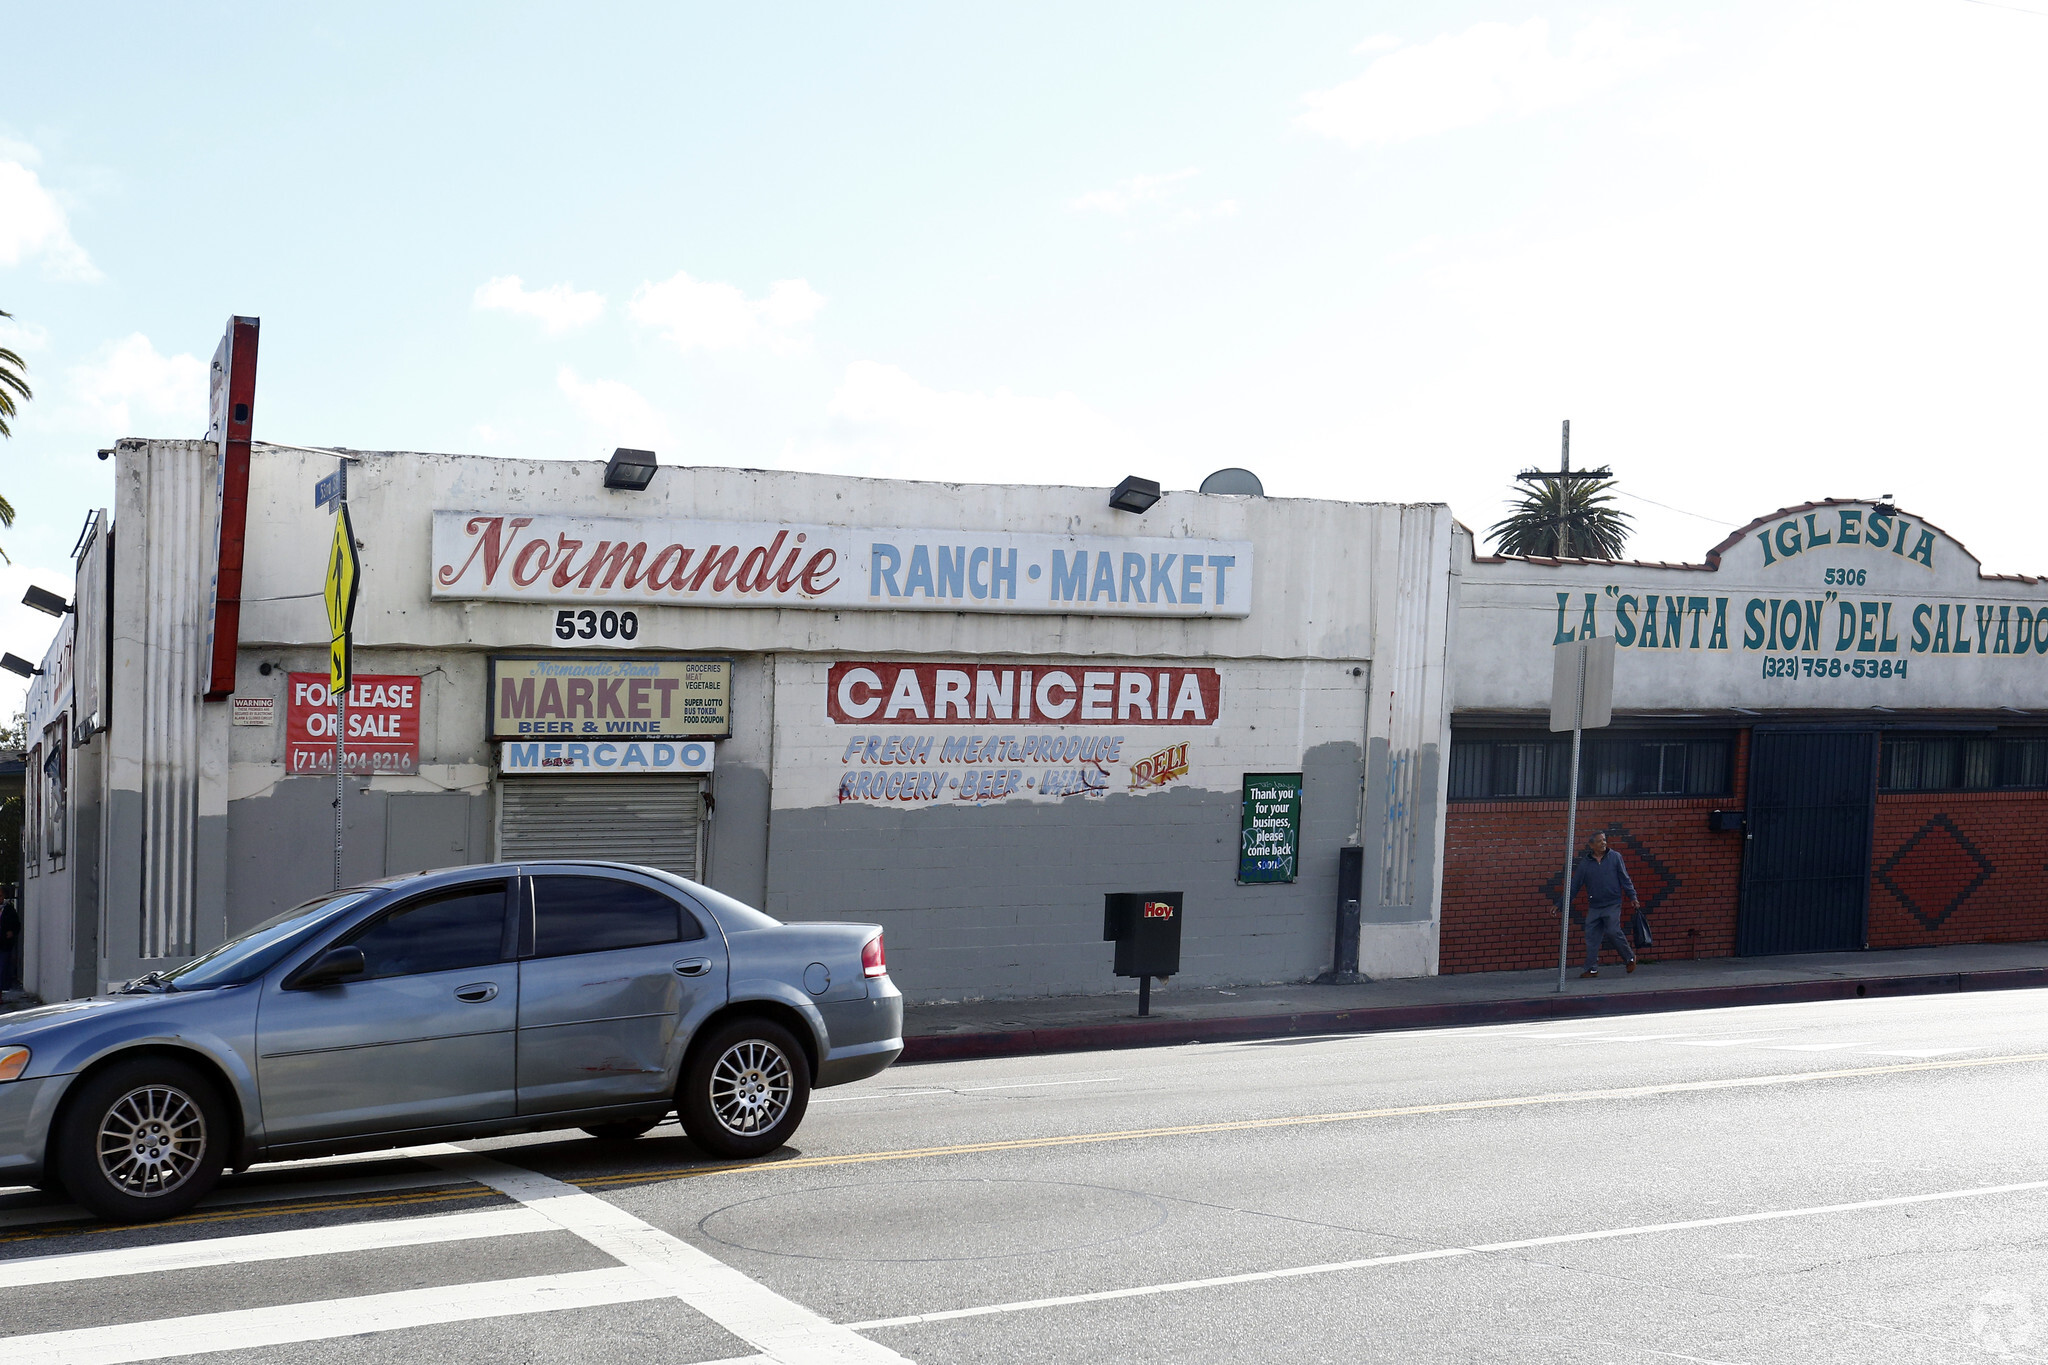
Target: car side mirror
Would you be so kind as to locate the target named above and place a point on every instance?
(330, 968)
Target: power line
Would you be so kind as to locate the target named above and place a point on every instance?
(1717, 521)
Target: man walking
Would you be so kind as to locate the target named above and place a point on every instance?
(1602, 873)
(10, 943)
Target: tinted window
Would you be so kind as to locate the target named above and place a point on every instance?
(1489, 765)
(464, 927)
(591, 914)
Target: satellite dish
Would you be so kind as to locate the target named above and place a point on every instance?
(1234, 482)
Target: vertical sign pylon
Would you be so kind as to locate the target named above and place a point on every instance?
(344, 574)
(1581, 699)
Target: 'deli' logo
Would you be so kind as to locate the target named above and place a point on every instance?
(1161, 768)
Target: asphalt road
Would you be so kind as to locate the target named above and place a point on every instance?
(1853, 1181)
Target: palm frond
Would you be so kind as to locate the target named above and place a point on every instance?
(1564, 517)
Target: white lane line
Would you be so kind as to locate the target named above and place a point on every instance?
(963, 1090)
(272, 1246)
(322, 1321)
(1720, 1042)
(1919, 1051)
(236, 1195)
(1444, 1253)
(785, 1331)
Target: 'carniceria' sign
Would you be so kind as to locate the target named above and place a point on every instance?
(556, 559)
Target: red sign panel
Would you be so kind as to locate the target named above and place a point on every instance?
(383, 724)
(881, 693)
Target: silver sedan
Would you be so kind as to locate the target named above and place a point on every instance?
(454, 1004)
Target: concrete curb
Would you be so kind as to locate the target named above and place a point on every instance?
(1167, 1032)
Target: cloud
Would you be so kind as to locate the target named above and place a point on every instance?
(33, 224)
(559, 307)
(701, 315)
(886, 422)
(1139, 189)
(19, 336)
(616, 412)
(1459, 80)
(130, 381)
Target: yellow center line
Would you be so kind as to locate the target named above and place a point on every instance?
(236, 1215)
(1302, 1120)
(371, 1201)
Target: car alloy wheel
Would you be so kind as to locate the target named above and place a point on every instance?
(141, 1138)
(151, 1141)
(751, 1085)
(745, 1088)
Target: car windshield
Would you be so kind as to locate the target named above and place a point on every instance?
(254, 953)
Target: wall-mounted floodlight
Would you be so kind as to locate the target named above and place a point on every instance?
(43, 600)
(629, 470)
(1134, 495)
(14, 663)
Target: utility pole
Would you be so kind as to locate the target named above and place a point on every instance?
(1565, 475)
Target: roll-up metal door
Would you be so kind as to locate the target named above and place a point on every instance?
(657, 821)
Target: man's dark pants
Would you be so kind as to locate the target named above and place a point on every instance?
(1603, 926)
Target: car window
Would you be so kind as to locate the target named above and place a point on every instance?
(254, 953)
(463, 926)
(592, 914)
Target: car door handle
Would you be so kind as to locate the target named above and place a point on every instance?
(694, 966)
(477, 994)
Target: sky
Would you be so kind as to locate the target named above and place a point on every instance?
(1757, 253)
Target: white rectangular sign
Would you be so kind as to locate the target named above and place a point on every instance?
(637, 757)
(555, 559)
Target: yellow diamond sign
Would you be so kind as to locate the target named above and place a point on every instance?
(344, 574)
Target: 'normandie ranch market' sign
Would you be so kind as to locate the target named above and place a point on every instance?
(553, 559)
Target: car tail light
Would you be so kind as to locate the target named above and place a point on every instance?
(872, 962)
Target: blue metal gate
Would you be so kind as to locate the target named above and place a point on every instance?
(1806, 861)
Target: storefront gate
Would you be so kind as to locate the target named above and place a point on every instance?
(1806, 860)
(654, 821)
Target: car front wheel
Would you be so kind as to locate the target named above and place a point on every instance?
(142, 1140)
(746, 1089)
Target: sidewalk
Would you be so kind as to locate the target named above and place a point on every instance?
(1075, 1023)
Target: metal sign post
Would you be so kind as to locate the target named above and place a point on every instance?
(344, 572)
(1581, 699)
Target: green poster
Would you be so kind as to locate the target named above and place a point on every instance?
(1271, 827)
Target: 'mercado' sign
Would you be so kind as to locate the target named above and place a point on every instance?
(777, 564)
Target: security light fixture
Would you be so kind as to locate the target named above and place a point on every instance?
(630, 470)
(1134, 495)
(14, 663)
(43, 600)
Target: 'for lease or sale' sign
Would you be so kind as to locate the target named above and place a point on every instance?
(383, 724)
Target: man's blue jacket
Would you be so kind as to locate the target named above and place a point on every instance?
(1605, 882)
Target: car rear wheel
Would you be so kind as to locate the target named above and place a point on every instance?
(142, 1140)
(621, 1132)
(746, 1089)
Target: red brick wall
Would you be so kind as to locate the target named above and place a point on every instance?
(1959, 867)
(1504, 863)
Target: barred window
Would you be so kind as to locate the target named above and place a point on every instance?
(1917, 762)
(1489, 765)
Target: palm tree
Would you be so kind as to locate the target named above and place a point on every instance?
(11, 367)
(1564, 518)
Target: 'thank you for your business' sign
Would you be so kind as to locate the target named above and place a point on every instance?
(556, 559)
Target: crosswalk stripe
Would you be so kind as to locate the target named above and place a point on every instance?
(272, 1246)
(785, 1331)
(244, 1328)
